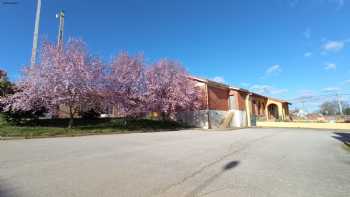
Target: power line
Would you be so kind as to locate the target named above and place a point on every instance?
(316, 97)
(320, 98)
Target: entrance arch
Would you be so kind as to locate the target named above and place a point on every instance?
(272, 111)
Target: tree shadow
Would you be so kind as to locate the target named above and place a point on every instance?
(229, 166)
(343, 137)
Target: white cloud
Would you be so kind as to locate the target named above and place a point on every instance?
(331, 89)
(219, 79)
(347, 81)
(333, 46)
(305, 95)
(330, 66)
(307, 54)
(274, 69)
(307, 33)
(279, 91)
(267, 90)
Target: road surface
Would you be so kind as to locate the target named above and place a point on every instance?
(246, 162)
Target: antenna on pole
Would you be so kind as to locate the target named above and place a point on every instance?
(36, 33)
(60, 15)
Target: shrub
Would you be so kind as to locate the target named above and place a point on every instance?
(21, 117)
(90, 114)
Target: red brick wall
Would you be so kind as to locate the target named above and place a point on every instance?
(218, 98)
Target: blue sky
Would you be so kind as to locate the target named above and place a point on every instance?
(282, 48)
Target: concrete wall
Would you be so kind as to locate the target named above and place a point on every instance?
(239, 119)
(216, 117)
(200, 118)
(194, 118)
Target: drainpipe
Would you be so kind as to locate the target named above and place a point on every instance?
(248, 110)
(207, 100)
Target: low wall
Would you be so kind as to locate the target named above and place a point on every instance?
(216, 118)
(310, 125)
(194, 118)
(200, 118)
(239, 119)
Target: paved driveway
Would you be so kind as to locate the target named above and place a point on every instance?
(247, 162)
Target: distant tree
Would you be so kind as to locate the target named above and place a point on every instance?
(126, 84)
(332, 107)
(66, 76)
(329, 108)
(170, 90)
(347, 111)
(6, 87)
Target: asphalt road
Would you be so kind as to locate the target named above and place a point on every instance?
(247, 162)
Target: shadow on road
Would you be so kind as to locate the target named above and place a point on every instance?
(229, 166)
(5, 191)
(343, 137)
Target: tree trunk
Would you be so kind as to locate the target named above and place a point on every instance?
(71, 121)
(71, 118)
(165, 116)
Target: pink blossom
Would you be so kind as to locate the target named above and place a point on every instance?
(170, 90)
(68, 77)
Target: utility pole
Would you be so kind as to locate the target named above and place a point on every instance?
(339, 104)
(36, 33)
(60, 15)
(303, 105)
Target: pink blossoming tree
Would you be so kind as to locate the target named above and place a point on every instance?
(170, 90)
(126, 84)
(67, 77)
(70, 77)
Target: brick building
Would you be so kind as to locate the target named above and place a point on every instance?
(226, 106)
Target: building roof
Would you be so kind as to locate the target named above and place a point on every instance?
(280, 100)
(214, 83)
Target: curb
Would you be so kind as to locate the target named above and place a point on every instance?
(11, 138)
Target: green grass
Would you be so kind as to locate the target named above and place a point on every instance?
(58, 127)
